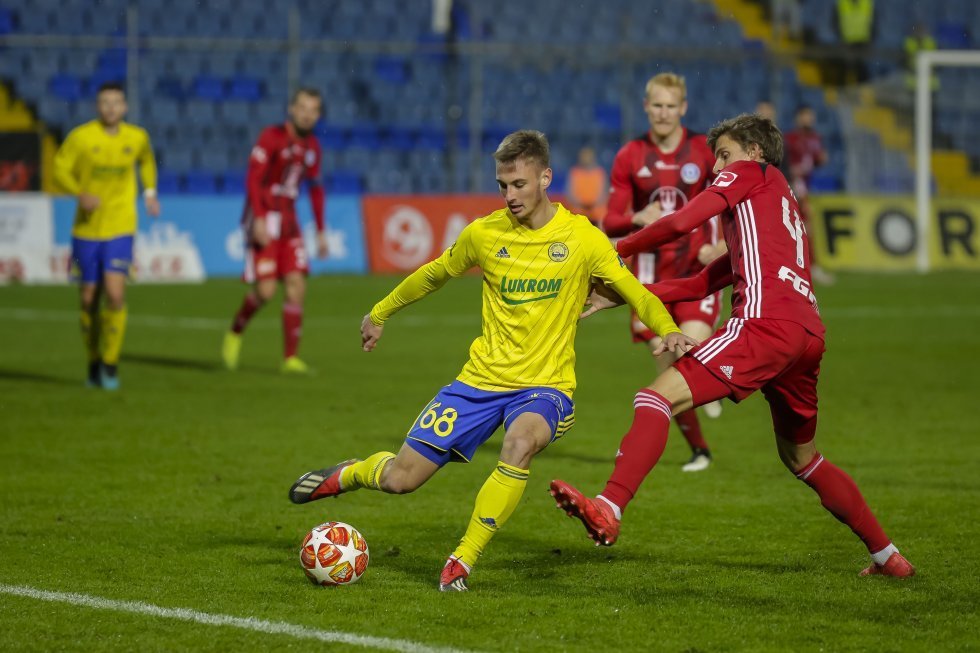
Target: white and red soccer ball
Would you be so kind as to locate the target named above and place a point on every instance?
(334, 553)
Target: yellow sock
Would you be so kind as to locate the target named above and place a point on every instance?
(90, 336)
(494, 505)
(113, 331)
(367, 473)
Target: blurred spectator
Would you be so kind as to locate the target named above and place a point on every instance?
(766, 109)
(918, 40)
(804, 153)
(787, 19)
(855, 27)
(588, 186)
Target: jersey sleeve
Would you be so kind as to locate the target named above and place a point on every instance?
(148, 165)
(64, 164)
(317, 194)
(616, 221)
(258, 167)
(734, 183)
(427, 279)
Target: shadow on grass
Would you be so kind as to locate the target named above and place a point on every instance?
(172, 362)
(19, 375)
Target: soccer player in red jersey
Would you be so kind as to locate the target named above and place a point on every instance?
(773, 342)
(654, 175)
(804, 153)
(284, 156)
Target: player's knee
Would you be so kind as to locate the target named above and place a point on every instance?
(115, 300)
(519, 447)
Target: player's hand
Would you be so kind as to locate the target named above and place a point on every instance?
(601, 298)
(152, 206)
(706, 254)
(322, 247)
(370, 333)
(260, 235)
(88, 203)
(650, 214)
(676, 343)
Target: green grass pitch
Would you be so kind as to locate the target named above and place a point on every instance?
(172, 492)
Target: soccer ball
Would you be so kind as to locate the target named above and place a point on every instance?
(334, 553)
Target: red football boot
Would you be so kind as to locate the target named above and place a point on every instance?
(597, 515)
(896, 566)
(319, 484)
(454, 575)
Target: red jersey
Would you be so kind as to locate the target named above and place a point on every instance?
(279, 161)
(767, 243)
(642, 174)
(804, 152)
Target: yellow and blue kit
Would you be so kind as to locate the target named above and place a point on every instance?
(536, 282)
(95, 162)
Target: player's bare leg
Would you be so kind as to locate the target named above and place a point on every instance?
(638, 453)
(112, 327)
(261, 292)
(527, 435)
(292, 322)
(687, 421)
(841, 497)
(90, 295)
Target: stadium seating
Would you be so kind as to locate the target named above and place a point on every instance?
(382, 106)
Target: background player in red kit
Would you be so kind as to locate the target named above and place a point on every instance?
(283, 156)
(804, 153)
(653, 176)
(774, 340)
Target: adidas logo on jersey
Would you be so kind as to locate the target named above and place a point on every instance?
(502, 253)
(644, 172)
(727, 371)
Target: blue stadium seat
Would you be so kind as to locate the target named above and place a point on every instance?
(66, 87)
(6, 21)
(399, 139)
(207, 87)
(168, 182)
(345, 181)
(391, 69)
(364, 136)
(245, 88)
(171, 87)
(233, 183)
(200, 182)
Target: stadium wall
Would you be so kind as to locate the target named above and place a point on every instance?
(199, 237)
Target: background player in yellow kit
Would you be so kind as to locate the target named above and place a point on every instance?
(538, 262)
(96, 163)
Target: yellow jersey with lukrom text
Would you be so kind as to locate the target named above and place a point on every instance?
(535, 283)
(95, 162)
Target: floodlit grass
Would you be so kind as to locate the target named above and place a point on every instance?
(173, 490)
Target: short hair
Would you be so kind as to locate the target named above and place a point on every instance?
(750, 128)
(525, 144)
(110, 86)
(667, 80)
(308, 91)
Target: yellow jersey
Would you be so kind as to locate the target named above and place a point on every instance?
(95, 162)
(536, 282)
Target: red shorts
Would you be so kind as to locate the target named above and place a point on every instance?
(777, 356)
(276, 260)
(704, 310)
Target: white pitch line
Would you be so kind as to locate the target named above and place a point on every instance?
(209, 619)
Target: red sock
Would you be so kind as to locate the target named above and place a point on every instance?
(292, 328)
(840, 495)
(249, 307)
(641, 447)
(691, 429)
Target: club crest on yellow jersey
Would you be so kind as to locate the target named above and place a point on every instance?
(558, 252)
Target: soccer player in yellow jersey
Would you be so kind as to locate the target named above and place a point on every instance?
(96, 164)
(539, 262)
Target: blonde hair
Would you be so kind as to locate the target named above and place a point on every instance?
(667, 80)
(524, 144)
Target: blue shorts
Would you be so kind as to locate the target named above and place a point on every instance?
(460, 418)
(90, 259)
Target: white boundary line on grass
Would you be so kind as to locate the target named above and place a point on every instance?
(209, 619)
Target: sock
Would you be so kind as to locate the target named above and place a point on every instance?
(113, 329)
(90, 336)
(691, 429)
(840, 496)
(292, 327)
(495, 503)
(366, 473)
(640, 448)
(881, 557)
(250, 305)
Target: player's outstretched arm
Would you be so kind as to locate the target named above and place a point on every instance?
(370, 333)
(717, 275)
(698, 211)
(600, 298)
